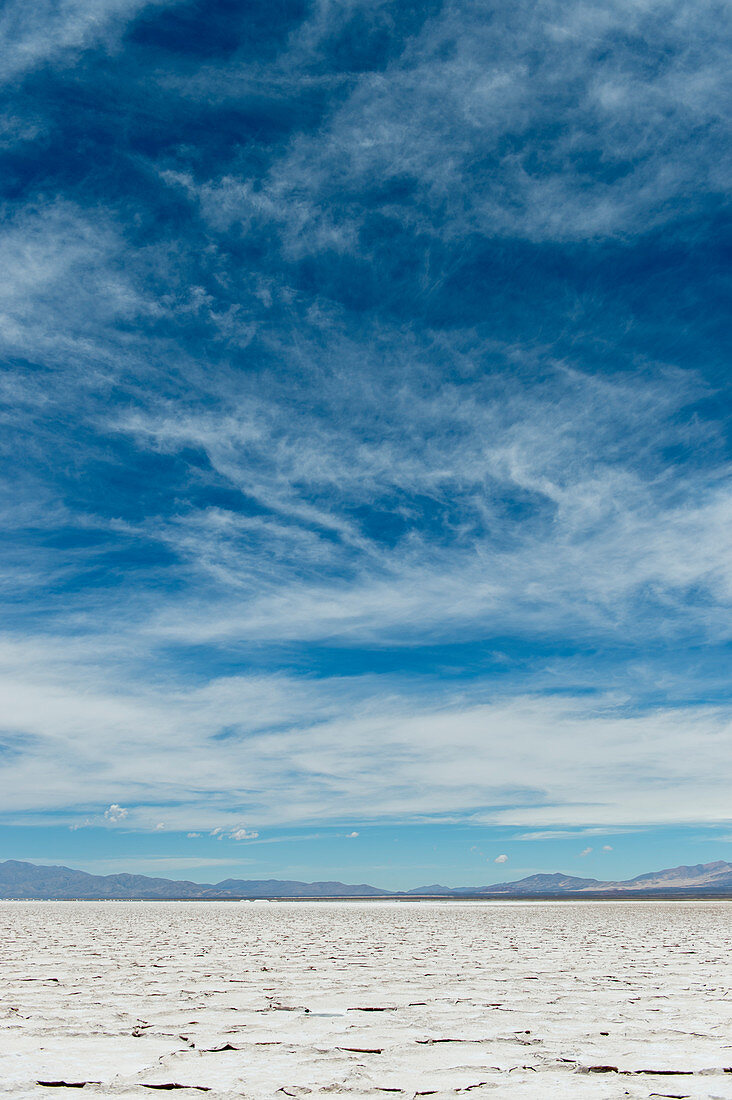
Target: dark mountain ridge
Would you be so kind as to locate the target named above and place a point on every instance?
(28, 880)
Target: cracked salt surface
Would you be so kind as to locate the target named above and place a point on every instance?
(308, 999)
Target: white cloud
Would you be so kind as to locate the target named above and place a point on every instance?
(585, 851)
(533, 79)
(601, 533)
(351, 835)
(378, 747)
(237, 833)
(570, 834)
(607, 847)
(33, 34)
(610, 544)
(116, 813)
(242, 834)
(501, 859)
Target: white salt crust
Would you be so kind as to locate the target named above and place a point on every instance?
(372, 999)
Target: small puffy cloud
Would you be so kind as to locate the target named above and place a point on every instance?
(159, 827)
(115, 813)
(585, 851)
(239, 833)
(349, 836)
(86, 824)
(607, 847)
(501, 859)
(192, 834)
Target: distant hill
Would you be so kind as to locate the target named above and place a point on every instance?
(700, 880)
(706, 876)
(534, 884)
(28, 880)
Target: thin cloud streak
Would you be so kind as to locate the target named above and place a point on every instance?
(453, 756)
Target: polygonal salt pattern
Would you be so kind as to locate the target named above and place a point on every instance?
(366, 999)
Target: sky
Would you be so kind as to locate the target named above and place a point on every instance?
(366, 500)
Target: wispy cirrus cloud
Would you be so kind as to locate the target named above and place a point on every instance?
(453, 755)
(48, 31)
(533, 518)
(535, 123)
(365, 415)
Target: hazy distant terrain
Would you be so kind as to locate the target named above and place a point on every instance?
(27, 880)
(541, 1001)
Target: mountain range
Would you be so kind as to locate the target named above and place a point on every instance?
(28, 880)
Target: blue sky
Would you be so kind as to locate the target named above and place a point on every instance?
(365, 437)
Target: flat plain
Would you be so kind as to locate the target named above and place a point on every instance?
(366, 999)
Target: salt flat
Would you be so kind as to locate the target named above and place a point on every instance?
(570, 999)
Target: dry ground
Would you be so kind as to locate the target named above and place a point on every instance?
(541, 1000)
